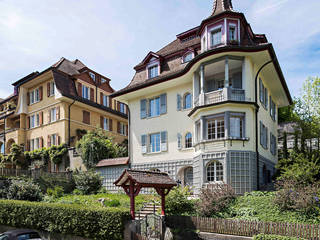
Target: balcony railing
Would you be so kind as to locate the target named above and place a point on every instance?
(221, 95)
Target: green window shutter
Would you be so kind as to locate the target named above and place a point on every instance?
(164, 145)
(178, 102)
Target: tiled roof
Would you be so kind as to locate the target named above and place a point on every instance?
(146, 178)
(69, 67)
(220, 6)
(113, 162)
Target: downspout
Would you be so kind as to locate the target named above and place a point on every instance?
(4, 137)
(257, 110)
(129, 138)
(69, 123)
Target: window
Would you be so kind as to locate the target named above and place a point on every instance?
(86, 117)
(188, 57)
(187, 101)
(273, 144)
(204, 44)
(198, 131)
(103, 80)
(34, 96)
(232, 33)
(263, 136)
(179, 139)
(122, 108)
(263, 92)
(105, 124)
(53, 139)
(216, 37)
(273, 109)
(105, 101)
(34, 144)
(236, 127)
(154, 107)
(215, 129)
(51, 88)
(93, 76)
(188, 140)
(28, 236)
(155, 142)
(53, 115)
(153, 71)
(122, 129)
(215, 172)
(35, 120)
(85, 92)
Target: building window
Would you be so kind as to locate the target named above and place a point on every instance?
(105, 101)
(105, 124)
(273, 109)
(153, 71)
(179, 140)
(51, 88)
(103, 80)
(93, 76)
(273, 144)
(34, 96)
(232, 33)
(35, 120)
(85, 92)
(86, 117)
(154, 107)
(34, 144)
(236, 127)
(155, 142)
(263, 92)
(188, 57)
(53, 115)
(216, 37)
(53, 139)
(198, 132)
(215, 172)
(188, 140)
(122, 108)
(215, 129)
(263, 136)
(122, 129)
(187, 101)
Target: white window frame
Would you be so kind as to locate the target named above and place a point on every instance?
(105, 100)
(241, 126)
(53, 139)
(103, 80)
(186, 57)
(216, 128)
(234, 26)
(150, 72)
(122, 108)
(157, 139)
(34, 96)
(53, 115)
(212, 33)
(106, 124)
(93, 76)
(85, 92)
(152, 102)
(52, 89)
(214, 171)
(186, 143)
(34, 144)
(185, 102)
(123, 129)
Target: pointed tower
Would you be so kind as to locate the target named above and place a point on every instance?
(220, 6)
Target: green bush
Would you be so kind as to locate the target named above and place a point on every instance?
(112, 203)
(57, 192)
(89, 182)
(93, 223)
(177, 202)
(50, 181)
(24, 190)
(274, 237)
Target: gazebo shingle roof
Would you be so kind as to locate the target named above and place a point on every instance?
(145, 178)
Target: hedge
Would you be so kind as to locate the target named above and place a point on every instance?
(77, 220)
(274, 237)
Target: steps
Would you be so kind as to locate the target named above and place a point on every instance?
(148, 208)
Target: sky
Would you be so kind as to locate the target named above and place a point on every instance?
(112, 36)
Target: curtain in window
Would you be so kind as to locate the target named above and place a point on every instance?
(235, 125)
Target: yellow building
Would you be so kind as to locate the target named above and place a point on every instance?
(204, 107)
(55, 106)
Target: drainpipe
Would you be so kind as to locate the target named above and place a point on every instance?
(129, 138)
(69, 123)
(4, 137)
(257, 110)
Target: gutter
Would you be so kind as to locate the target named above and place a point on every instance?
(256, 117)
(69, 122)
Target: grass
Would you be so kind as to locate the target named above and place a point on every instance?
(92, 200)
(259, 206)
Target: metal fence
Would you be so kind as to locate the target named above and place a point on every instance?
(36, 173)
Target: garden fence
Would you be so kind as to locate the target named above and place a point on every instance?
(244, 227)
(9, 172)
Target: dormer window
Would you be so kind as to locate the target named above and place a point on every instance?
(103, 80)
(93, 76)
(216, 37)
(153, 71)
(187, 57)
(232, 33)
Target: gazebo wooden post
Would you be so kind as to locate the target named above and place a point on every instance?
(132, 203)
(163, 203)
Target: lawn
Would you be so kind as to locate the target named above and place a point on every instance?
(92, 200)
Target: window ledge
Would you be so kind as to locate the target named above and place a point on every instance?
(186, 149)
(153, 153)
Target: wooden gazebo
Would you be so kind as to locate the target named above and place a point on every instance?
(133, 180)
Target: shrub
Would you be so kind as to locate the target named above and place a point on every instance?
(214, 199)
(292, 195)
(50, 181)
(112, 203)
(24, 190)
(56, 192)
(274, 237)
(88, 222)
(88, 182)
(177, 202)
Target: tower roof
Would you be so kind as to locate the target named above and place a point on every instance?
(220, 6)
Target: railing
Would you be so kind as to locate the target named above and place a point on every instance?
(244, 227)
(36, 173)
(236, 94)
(214, 97)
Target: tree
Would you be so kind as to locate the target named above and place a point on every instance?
(16, 156)
(95, 146)
(285, 153)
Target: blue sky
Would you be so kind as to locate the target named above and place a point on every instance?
(112, 36)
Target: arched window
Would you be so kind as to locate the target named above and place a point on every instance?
(188, 140)
(188, 57)
(188, 176)
(215, 172)
(187, 102)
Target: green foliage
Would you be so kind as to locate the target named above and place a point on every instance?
(95, 146)
(57, 192)
(89, 182)
(58, 153)
(274, 237)
(287, 114)
(177, 202)
(88, 222)
(51, 181)
(16, 156)
(112, 203)
(24, 190)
